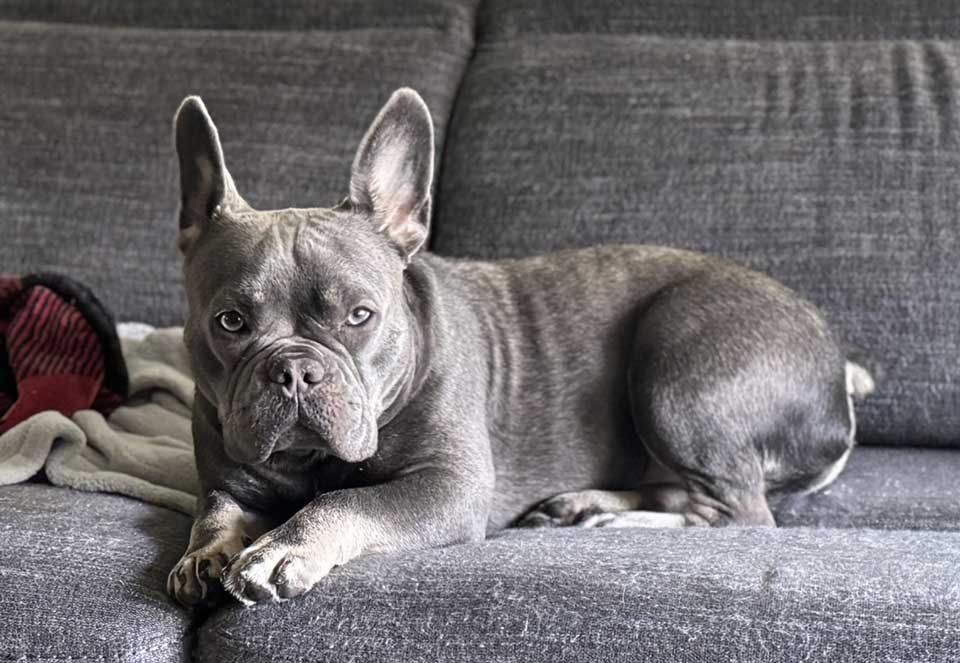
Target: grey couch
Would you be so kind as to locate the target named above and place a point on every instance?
(816, 141)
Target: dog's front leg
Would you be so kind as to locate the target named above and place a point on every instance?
(221, 529)
(429, 507)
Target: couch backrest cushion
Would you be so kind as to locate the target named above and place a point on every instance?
(249, 14)
(832, 164)
(785, 20)
(87, 167)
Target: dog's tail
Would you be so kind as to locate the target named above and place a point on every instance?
(860, 383)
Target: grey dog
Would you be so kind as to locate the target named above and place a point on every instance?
(356, 394)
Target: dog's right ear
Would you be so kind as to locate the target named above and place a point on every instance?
(205, 185)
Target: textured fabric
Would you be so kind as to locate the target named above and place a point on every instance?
(884, 488)
(83, 578)
(88, 172)
(144, 449)
(115, 380)
(53, 341)
(822, 20)
(247, 14)
(696, 595)
(829, 166)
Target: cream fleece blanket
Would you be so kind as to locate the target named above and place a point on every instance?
(144, 449)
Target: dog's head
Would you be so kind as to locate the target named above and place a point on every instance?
(299, 325)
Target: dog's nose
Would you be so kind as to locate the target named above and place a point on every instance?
(295, 374)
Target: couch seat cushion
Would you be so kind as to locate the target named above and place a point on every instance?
(884, 488)
(82, 578)
(699, 595)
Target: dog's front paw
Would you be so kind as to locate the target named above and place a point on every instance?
(273, 569)
(195, 581)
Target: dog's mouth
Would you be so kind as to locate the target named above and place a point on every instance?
(300, 444)
(301, 439)
(254, 439)
(333, 419)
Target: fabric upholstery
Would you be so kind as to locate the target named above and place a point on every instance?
(88, 182)
(814, 20)
(828, 165)
(884, 488)
(83, 578)
(696, 595)
(248, 14)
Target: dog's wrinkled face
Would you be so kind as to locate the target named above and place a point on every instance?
(298, 326)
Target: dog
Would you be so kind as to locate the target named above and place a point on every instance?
(356, 394)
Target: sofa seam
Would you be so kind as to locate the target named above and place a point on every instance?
(457, 95)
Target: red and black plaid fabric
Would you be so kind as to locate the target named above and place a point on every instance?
(60, 350)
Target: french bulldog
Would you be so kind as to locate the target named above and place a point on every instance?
(357, 394)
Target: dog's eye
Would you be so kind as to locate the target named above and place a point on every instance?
(359, 316)
(231, 321)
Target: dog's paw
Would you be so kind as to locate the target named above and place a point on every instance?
(274, 570)
(195, 581)
(581, 508)
(562, 510)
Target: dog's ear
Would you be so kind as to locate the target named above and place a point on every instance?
(205, 184)
(393, 171)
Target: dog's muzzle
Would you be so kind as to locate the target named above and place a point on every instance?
(300, 396)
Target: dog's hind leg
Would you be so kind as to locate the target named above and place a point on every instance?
(721, 472)
(737, 387)
(595, 508)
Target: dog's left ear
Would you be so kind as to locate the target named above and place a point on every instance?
(393, 171)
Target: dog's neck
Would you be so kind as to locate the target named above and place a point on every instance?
(419, 302)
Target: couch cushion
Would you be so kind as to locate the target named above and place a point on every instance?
(818, 20)
(884, 488)
(696, 595)
(246, 14)
(88, 174)
(84, 577)
(829, 165)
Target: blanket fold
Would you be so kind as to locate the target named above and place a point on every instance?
(143, 449)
